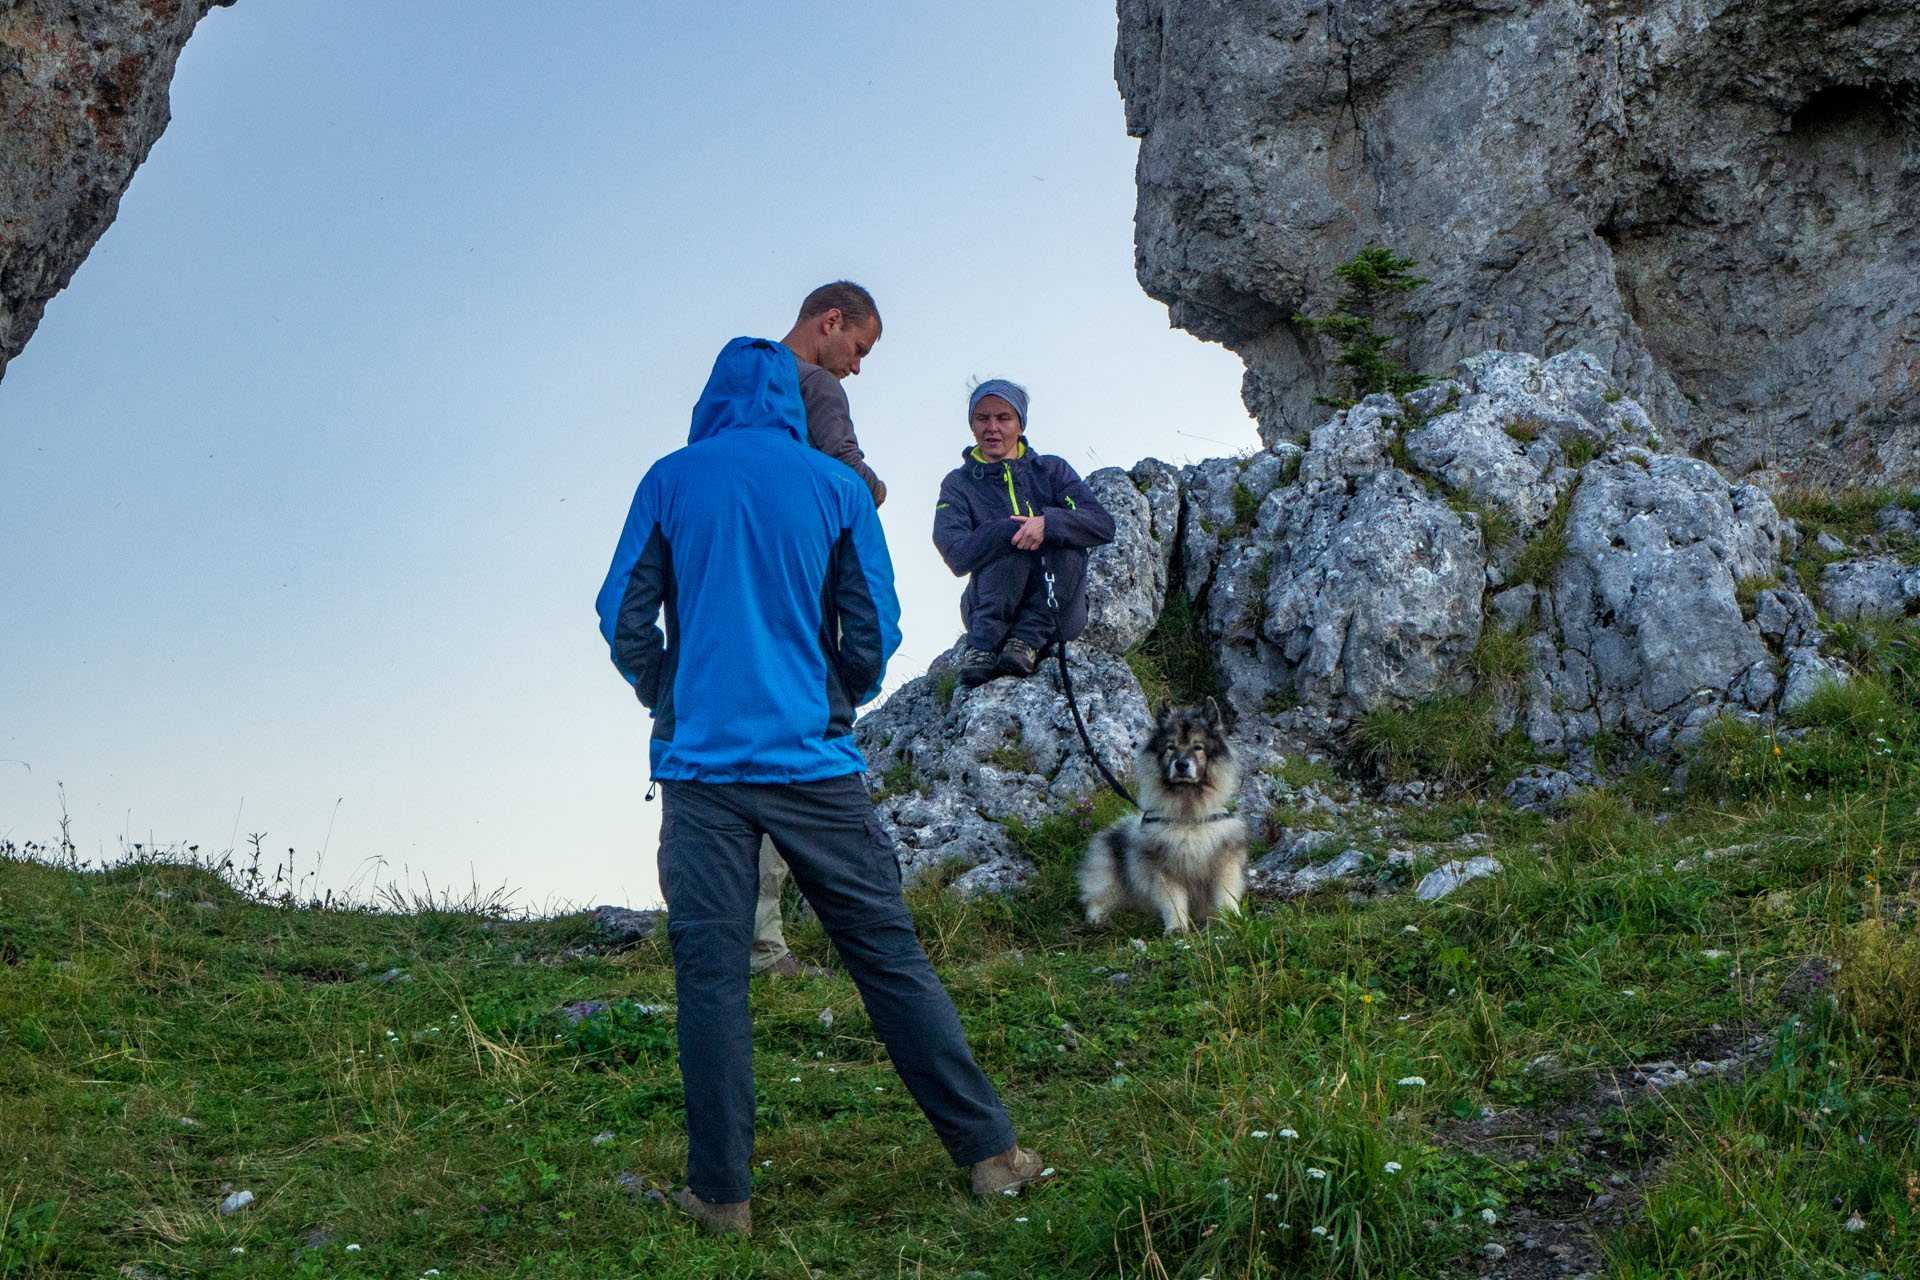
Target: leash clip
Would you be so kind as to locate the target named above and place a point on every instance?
(1052, 603)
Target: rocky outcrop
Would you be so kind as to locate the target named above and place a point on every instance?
(83, 97)
(1522, 506)
(1714, 197)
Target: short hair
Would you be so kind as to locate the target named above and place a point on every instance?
(853, 302)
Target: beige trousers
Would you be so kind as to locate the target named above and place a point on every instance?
(769, 943)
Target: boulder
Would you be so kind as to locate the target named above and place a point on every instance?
(1127, 578)
(1713, 200)
(950, 766)
(1875, 586)
(1445, 879)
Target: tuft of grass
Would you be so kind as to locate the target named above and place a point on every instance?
(1847, 513)
(1174, 663)
(1539, 561)
(1246, 507)
(1013, 756)
(1580, 450)
(944, 688)
(1525, 430)
(1502, 658)
(1450, 739)
(1496, 526)
(897, 780)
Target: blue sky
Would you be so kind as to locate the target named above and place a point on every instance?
(312, 473)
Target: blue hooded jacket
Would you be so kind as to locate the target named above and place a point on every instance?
(764, 561)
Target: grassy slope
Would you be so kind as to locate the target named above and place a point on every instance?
(447, 1124)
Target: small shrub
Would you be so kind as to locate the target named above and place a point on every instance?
(1014, 757)
(1290, 468)
(1371, 278)
(1497, 528)
(1525, 430)
(1747, 592)
(944, 687)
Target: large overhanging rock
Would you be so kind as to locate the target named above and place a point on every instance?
(83, 96)
(1715, 197)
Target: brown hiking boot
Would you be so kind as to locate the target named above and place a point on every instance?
(977, 666)
(718, 1219)
(1007, 1173)
(788, 966)
(1018, 658)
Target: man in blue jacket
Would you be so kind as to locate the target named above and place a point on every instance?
(764, 561)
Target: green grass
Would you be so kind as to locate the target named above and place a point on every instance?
(1450, 739)
(1174, 662)
(448, 1123)
(1540, 559)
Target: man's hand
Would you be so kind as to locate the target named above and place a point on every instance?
(1032, 530)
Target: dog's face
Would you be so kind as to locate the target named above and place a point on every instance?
(1187, 743)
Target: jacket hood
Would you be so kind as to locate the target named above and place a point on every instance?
(754, 383)
(967, 458)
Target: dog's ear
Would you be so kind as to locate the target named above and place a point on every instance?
(1162, 711)
(1213, 713)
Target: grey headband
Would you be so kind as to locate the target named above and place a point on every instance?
(1013, 393)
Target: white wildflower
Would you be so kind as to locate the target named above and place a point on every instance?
(1258, 1133)
(1489, 1217)
(1413, 1082)
(1393, 1166)
(1318, 1175)
(1274, 1196)
(353, 1248)
(1319, 1231)
(1288, 1133)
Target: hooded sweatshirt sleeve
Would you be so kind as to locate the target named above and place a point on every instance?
(963, 545)
(638, 583)
(830, 426)
(862, 586)
(1079, 521)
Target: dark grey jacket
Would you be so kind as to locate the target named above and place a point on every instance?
(830, 424)
(973, 523)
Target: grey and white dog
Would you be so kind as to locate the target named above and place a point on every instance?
(1183, 857)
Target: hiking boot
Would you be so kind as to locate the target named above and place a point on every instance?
(1018, 658)
(718, 1219)
(789, 966)
(1005, 1174)
(977, 666)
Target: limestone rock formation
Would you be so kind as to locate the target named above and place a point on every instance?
(1714, 197)
(1523, 504)
(83, 97)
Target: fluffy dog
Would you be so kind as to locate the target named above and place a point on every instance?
(1183, 856)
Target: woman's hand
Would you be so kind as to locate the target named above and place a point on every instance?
(1032, 530)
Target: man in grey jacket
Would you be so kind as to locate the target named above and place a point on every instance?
(837, 326)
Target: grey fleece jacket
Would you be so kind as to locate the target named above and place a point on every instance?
(830, 424)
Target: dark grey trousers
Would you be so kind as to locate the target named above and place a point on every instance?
(1008, 600)
(844, 862)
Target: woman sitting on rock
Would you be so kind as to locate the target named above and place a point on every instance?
(1008, 518)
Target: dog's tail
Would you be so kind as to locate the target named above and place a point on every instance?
(1102, 889)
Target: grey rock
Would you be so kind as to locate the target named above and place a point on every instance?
(1444, 879)
(1006, 750)
(1898, 521)
(1512, 609)
(1648, 627)
(1308, 879)
(1807, 674)
(393, 975)
(1355, 588)
(1786, 617)
(1127, 578)
(623, 926)
(1160, 484)
(1829, 544)
(1494, 1252)
(1876, 586)
(1714, 202)
(1539, 789)
(82, 102)
(235, 1203)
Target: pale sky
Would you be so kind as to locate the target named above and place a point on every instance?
(312, 473)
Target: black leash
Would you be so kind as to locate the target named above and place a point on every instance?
(1066, 683)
